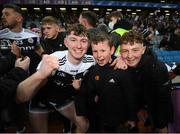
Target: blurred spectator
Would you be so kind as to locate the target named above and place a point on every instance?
(32, 25)
(89, 20)
(9, 79)
(119, 26)
(102, 26)
(174, 42)
(53, 38)
(164, 43)
(27, 41)
(147, 37)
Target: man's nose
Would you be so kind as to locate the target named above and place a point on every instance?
(79, 44)
(99, 54)
(130, 54)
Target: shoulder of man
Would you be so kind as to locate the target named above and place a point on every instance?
(4, 31)
(30, 33)
(88, 59)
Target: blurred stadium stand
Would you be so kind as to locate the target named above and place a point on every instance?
(62, 9)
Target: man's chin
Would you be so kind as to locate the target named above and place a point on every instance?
(79, 57)
(132, 65)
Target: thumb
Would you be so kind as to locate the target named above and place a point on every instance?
(113, 63)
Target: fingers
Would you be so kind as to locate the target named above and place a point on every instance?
(76, 83)
(25, 59)
(13, 44)
(24, 64)
(51, 61)
(15, 49)
(113, 63)
(48, 66)
(130, 124)
(120, 64)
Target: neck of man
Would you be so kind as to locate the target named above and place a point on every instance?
(17, 28)
(73, 60)
(55, 36)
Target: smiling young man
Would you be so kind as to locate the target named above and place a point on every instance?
(116, 103)
(58, 92)
(151, 79)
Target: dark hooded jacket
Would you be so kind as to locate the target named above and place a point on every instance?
(117, 100)
(52, 45)
(153, 87)
(10, 77)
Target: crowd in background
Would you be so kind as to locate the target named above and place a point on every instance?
(158, 32)
(162, 26)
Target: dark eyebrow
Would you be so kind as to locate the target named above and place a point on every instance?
(72, 37)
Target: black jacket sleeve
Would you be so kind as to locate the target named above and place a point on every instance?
(163, 88)
(7, 63)
(84, 94)
(8, 85)
(130, 96)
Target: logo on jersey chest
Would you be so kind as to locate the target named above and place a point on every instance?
(97, 78)
(5, 44)
(25, 45)
(27, 48)
(30, 40)
(73, 71)
(60, 74)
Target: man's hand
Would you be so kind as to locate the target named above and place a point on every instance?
(48, 64)
(24, 64)
(130, 124)
(15, 50)
(76, 84)
(118, 63)
(163, 130)
(40, 51)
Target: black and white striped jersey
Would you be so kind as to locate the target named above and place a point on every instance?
(26, 40)
(59, 86)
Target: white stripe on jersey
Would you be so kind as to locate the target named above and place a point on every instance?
(24, 34)
(67, 67)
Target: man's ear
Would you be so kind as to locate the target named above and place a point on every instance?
(85, 22)
(112, 50)
(144, 48)
(19, 18)
(57, 28)
(65, 42)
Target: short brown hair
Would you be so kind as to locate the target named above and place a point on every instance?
(116, 14)
(16, 8)
(132, 37)
(49, 20)
(100, 37)
(91, 17)
(78, 29)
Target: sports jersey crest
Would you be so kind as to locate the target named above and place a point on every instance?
(30, 40)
